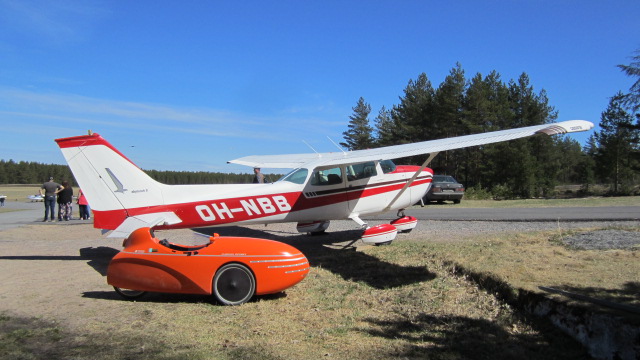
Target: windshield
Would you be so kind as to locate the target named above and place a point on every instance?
(297, 176)
(387, 166)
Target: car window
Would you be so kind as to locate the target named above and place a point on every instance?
(361, 171)
(444, 179)
(327, 177)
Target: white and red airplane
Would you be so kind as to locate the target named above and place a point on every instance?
(322, 187)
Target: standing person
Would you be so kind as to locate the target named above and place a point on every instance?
(49, 190)
(65, 197)
(258, 178)
(83, 204)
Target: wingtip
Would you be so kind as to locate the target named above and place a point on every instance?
(565, 127)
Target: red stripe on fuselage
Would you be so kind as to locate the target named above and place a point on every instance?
(231, 210)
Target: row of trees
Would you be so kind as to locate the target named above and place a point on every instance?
(23, 172)
(526, 167)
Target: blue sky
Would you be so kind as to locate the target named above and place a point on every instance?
(188, 85)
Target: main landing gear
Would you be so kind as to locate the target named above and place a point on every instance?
(385, 233)
(377, 235)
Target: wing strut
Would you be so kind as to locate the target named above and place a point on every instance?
(413, 178)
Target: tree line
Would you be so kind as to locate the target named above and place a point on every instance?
(24, 172)
(523, 168)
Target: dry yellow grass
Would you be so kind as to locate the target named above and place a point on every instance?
(398, 301)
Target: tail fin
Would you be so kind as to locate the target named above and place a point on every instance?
(114, 186)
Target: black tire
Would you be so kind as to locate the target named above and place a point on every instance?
(234, 284)
(456, 201)
(383, 243)
(128, 293)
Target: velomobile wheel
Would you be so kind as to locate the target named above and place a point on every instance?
(128, 293)
(234, 284)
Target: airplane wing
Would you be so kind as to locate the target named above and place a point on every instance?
(293, 161)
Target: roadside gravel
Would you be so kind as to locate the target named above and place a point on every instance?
(604, 240)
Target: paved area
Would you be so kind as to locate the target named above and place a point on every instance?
(25, 213)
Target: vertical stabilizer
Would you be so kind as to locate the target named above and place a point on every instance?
(110, 181)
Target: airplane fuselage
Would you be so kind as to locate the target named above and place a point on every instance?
(282, 201)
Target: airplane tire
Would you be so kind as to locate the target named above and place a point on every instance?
(128, 293)
(234, 284)
(383, 243)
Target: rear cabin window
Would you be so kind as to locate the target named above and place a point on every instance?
(327, 177)
(361, 171)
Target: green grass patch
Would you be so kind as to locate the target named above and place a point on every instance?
(533, 203)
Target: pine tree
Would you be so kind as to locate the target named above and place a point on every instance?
(617, 142)
(448, 113)
(632, 99)
(360, 133)
(384, 128)
(413, 117)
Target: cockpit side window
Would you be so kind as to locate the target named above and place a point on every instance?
(387, 166)
(297, 176)
(361, 171)
(327, 177)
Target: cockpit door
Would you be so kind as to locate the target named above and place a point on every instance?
(325, 193)
(360, 185)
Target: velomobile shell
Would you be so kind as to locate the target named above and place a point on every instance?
(148, 264)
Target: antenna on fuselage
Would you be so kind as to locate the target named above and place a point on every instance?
(311, 147)
(338, 146)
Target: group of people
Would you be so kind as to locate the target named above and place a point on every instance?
(62, 194)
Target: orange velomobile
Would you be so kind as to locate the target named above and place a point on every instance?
(233, 269)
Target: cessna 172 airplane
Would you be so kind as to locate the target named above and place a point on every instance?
(322, 187)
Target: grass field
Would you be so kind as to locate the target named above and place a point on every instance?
(576, 202)
(18, 192)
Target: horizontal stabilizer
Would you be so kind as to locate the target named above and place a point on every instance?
(133, 223)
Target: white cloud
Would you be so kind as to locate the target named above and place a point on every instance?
(42, 108)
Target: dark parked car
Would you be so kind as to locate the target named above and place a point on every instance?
(444, 187)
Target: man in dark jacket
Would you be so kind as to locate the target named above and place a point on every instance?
(49, 190)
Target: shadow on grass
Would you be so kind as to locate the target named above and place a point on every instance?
(98, 258)
(31, 338)
(458, 337)
(169, 298)
(329, 252)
